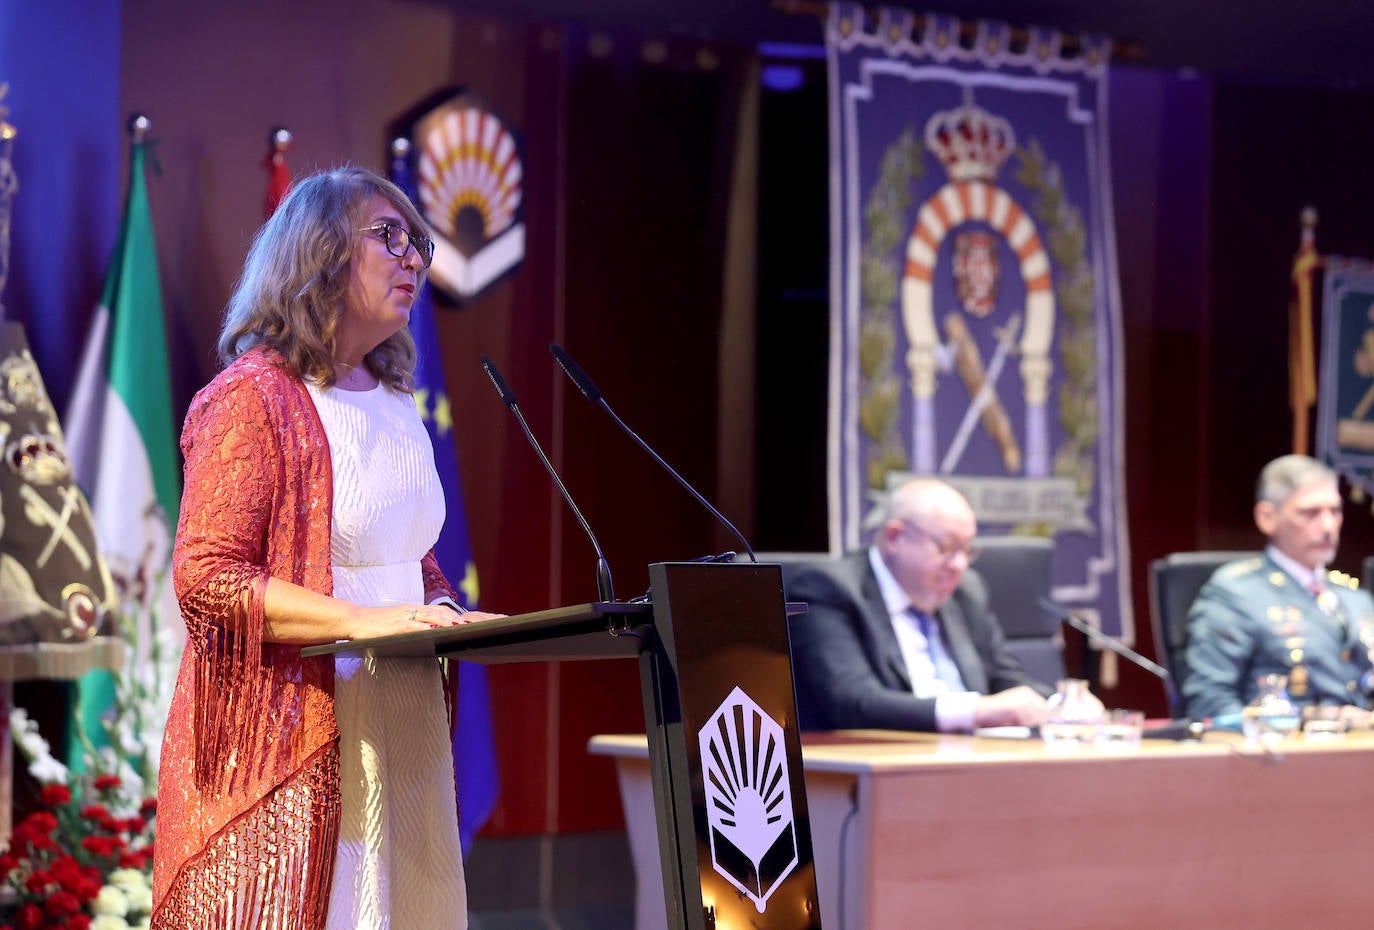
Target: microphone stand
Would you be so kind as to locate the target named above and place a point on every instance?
(1102, 639)
(593, 393)
(1181, 729)
(605, 590)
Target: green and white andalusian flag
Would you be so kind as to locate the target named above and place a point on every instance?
(121, 439)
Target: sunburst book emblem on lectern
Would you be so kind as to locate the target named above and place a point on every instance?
(748, 797)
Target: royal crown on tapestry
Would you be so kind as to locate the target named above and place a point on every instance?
(970, 142)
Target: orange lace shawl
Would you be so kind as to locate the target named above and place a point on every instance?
(248, 793)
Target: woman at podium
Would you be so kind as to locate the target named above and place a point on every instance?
(312, 792)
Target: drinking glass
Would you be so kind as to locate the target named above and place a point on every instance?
(1121, 729)
(1271, 716)
(1323, 722)
(1073, 715)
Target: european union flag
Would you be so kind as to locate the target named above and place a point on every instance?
(474, 748)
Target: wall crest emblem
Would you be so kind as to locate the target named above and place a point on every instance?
(471, 191)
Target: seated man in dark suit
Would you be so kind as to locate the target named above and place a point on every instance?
(1283, 613)
(900, 637)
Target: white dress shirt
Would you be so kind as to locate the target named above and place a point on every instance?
(1304, 576)
(954, 706)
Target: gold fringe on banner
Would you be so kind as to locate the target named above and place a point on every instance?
(1069, 43)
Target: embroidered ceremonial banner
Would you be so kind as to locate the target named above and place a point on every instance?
(1345, 426)
(57, 599)
(975, 324)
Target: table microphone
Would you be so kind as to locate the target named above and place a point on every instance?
(603, 570)
(1174, 730)
(1097, 636)
(593, 394)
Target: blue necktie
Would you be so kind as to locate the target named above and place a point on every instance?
(945, 669)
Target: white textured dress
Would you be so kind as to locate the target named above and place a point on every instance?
(399, 864)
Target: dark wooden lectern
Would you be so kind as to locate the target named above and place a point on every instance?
(716, 679)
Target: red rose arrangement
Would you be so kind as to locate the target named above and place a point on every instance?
(78, 865)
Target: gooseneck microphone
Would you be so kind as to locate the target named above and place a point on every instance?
(1183, 729)
(593, 394)
(1102, 639)
(605, 590)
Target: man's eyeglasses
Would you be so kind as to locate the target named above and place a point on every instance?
(398, 239)
(945, 549)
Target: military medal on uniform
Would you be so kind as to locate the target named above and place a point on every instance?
(1297, 677)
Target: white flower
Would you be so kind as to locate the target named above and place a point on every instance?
(129, 741)
(140, 900)
(48, 771)
(126, 879)
(26, 731)
(35, 749)
(130, 780)
(109, 922)
(111, 902)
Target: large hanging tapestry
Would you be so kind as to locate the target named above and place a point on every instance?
(975, 325)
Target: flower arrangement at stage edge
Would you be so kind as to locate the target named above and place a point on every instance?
(84, 859)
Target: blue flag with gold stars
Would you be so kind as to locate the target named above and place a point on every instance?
(474, 747)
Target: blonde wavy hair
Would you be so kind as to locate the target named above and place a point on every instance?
(292, 292)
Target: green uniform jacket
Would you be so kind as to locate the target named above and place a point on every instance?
(1252, 619)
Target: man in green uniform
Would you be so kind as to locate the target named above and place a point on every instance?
(1284, 612)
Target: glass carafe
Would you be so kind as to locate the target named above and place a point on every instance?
(1271, 716)
(1074, 715)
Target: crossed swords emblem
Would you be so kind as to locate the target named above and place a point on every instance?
(982, 386)
(43, 514)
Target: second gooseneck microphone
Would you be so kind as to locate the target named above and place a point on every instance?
(593, 394)
(1115, 645)
(605, 590)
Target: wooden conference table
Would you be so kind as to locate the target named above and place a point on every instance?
(918, 831)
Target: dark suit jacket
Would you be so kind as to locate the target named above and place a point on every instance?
(847, 666)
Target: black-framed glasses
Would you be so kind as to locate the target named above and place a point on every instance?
(945, 549)
(398, 239)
